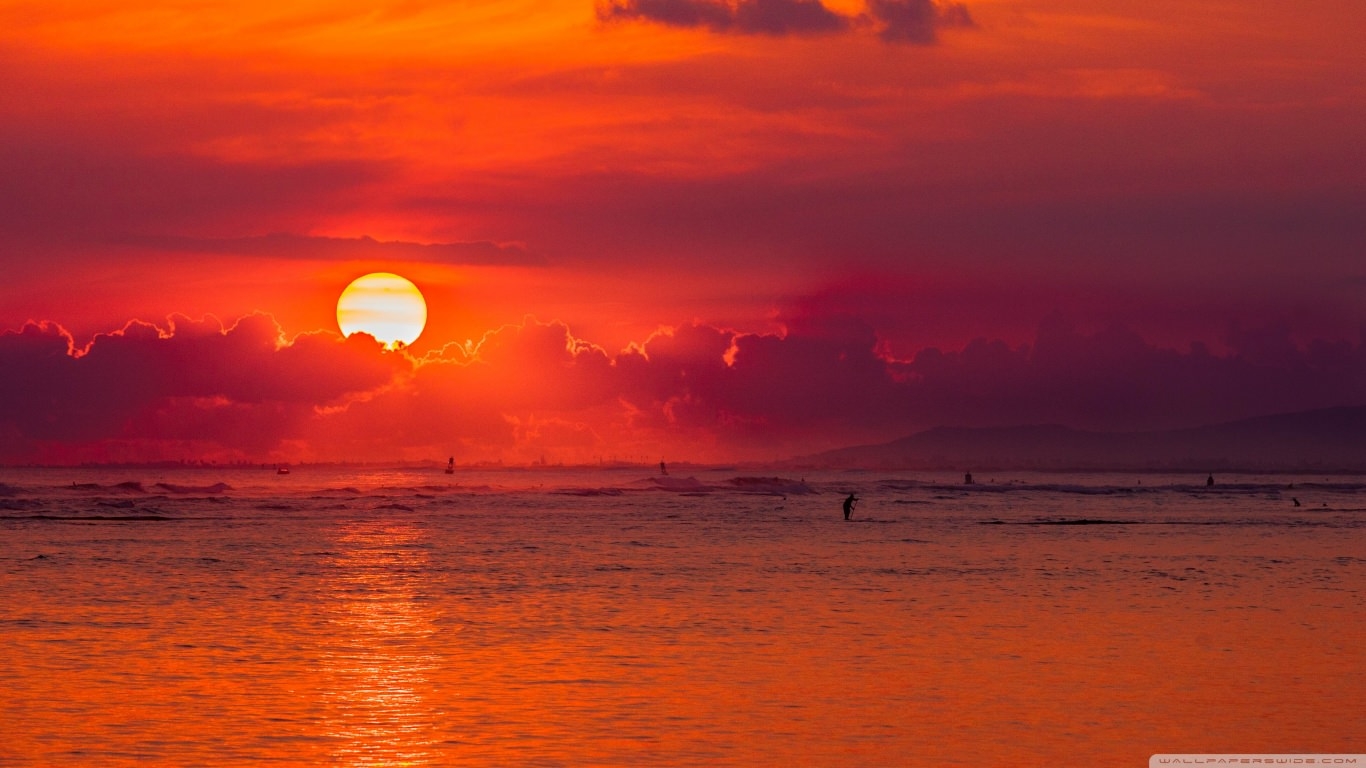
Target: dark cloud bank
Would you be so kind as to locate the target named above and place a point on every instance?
(897, 21)
(197, 388)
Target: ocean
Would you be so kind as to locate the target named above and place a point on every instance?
(613, 616)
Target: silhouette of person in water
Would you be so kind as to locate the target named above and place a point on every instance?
(967, 478)
(663, 470)
(849, 505)
(1209, 480)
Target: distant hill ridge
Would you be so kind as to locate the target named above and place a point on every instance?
(1329, 439)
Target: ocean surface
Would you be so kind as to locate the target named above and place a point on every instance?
(604, 617)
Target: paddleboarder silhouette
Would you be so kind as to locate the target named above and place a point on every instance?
(849, 505)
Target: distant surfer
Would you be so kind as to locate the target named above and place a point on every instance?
(967, 478)
(1209, 481)
(663, 470)
(849, 505)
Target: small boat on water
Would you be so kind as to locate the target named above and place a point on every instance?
(282, 471)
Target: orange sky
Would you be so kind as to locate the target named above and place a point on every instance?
(871, 181)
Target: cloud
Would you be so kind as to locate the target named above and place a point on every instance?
(496, 400)
(58, 191)
(292, 246)
(674, 13)
(825, 380)
(917, 21)
(747, 17)
(787, 17)
(534, 390)
(241, 388)
(1113, 379)
(901, 21)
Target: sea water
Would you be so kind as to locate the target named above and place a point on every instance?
(613, 616)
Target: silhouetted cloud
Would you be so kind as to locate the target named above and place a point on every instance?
(786, 17)
(917, 21)
(243, 387)
(1114, 380)
(750, 17)
(899, 21)
(534, 389)
(674, 13)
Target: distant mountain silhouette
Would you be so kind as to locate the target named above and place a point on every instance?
(1331, 439)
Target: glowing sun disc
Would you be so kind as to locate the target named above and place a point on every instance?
(384, 305)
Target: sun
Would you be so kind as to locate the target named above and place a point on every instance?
(384, 305)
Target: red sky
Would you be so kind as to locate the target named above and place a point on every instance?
(671, 228)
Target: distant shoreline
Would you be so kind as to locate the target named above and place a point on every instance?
(1194, 469)
(1324, 441)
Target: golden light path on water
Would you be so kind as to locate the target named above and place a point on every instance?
(378, 671)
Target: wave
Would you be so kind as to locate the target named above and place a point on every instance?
(680, 484)
(775, 486)
(215, 488)
(1065, 521)
(1229, 522)
(588, 491)
(419, 488)
(350, 490)
(128, 486)
(1084, 490)
(96, 518)
(1230, 489)
(771, 485)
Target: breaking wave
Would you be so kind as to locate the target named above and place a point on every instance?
(215, 488)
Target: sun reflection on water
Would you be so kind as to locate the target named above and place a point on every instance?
(380, 664)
